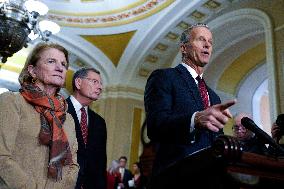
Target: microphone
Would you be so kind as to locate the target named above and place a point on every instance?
(263, 136)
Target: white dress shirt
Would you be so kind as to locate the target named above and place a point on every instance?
(194, 75)
(78, 107)
(121, 171)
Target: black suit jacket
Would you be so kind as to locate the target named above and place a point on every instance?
(126, 177)
(92, 158)
(171, 98)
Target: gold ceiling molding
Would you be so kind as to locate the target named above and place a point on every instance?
(121, 18)
(112, 46)
(10, 68)
(80, 63)
(183, 25)
(144, 72)
(161, 47)
(16, 62)
(101, 13)
(197, 15)
(212, 5)
(151, 58)
(172, 36)
(120, 91)
(120, 88)
(237, 71)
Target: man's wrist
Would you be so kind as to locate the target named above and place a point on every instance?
(197, 118)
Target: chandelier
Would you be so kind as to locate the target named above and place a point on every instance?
(19, 25)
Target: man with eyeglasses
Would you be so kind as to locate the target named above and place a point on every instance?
(249, 143)
(248, 140)
(90, 129)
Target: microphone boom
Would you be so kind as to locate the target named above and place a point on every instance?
(263, 136)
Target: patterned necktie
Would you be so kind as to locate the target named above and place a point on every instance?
(203, 91)
(84, 127)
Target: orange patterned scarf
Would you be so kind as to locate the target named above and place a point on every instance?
(52, 110)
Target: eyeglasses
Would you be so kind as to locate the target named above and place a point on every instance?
(238, 128)
(93, 81)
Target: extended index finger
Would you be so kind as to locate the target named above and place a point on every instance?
(227, 104)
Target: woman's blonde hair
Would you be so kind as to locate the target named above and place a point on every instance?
(35, 55)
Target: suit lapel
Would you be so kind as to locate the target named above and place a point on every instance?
(193, 89)
(72, 111)
(90, 120)
(92, 124)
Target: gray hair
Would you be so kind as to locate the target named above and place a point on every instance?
(82, 73)
(185, 36)
(114, 166)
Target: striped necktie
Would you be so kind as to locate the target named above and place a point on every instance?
(83, 124)
(203, 91)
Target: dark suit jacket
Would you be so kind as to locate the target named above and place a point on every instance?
(126, 177)
(92, 158)
(171, 98)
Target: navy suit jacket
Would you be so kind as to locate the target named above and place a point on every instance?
(126, 177)
(171, 98)
(92, 158)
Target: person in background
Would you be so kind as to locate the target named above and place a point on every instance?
(249, 143)
(90, 129)
(277, 129)
(277, 132)
(37, 137)
(126, 174)
(184, 115)
(139, 180)
(247, 138)
(113, 175)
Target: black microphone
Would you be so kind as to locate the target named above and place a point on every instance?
(263, 136)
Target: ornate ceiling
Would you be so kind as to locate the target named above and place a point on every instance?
(126, 40)
(104, 13)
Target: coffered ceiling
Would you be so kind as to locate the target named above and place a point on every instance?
(126, 40)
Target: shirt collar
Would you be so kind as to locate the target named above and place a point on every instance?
(191, 71)
(76, 104)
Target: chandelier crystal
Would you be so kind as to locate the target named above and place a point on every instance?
(19, 25)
